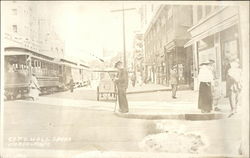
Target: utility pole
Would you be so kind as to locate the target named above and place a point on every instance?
(124, 38)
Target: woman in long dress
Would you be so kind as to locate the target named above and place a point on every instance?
(205, 78)
(34, 88)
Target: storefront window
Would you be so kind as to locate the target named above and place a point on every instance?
(206, 49)
(230, 48)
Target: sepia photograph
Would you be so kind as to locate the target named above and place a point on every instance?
(124, 79)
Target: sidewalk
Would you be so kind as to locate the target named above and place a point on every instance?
(140, 89)
(146, 88)
(183, 108)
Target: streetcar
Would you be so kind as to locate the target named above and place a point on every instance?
(20, 64)
(77, 71)
(52, 74)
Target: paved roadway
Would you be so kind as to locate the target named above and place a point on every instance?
(86, 129)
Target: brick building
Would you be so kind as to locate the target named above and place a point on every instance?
(164, 42)
(24, 27)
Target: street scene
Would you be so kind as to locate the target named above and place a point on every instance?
(116, 79)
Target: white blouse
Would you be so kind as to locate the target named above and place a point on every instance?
(205, 74)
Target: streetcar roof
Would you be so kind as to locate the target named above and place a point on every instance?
(15, 53)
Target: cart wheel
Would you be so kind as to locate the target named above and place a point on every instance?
(98, 94)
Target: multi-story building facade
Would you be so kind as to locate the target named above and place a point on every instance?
(24, 27)
(146, 12)
(164, 42)
(215, 35)
(138, 56)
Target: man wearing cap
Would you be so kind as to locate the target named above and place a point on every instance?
(173, 80)
(122, 84)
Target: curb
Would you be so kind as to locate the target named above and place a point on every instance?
(188, 116)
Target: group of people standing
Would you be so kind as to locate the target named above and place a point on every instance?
(209, 93)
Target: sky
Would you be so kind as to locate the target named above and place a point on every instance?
(89, 27)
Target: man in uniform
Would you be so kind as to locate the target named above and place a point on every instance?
(173, 80)
(122, 84)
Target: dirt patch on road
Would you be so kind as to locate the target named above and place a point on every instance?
(172, 142)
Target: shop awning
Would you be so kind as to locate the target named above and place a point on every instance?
(215, 29)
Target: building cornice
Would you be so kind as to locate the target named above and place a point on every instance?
(154, 19)
(206, 19)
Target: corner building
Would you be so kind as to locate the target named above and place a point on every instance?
(215, 35)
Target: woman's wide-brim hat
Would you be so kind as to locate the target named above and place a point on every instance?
(205, 63)
(117, 63)
(211, 61)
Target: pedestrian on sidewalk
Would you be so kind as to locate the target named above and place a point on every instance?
(216, 92)
(205, 78)
(34, 88)
(226, 67)
(133, 79)
(71, 85)
(140, 81)
(234, 74)
(121, 82)
(173, 81)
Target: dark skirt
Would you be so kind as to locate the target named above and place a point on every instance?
(122, 99)
(205, 97)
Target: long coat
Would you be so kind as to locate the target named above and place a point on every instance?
(122, 81)
(122, 85)
(173, 77)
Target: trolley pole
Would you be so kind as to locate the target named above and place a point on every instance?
(123, 26)
(124, 38)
